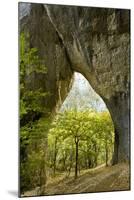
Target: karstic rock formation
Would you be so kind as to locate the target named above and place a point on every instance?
(92, 41)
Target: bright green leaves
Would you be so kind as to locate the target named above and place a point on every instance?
(93, 130)
(30, 65)
(85, 124)
(29, 58)
(33, 148)
(33, 133)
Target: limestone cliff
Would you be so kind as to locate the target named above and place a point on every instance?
(92, 41)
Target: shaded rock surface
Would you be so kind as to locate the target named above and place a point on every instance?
(92, 41)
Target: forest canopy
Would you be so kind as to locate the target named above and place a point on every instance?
(80, 139)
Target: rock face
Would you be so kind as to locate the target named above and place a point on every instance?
(43, 36)
(92, 41)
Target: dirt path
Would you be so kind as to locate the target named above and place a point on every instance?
(112, 178)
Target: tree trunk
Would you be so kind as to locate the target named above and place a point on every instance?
(70, 161)
(42, 179)
(106, 151)
(96, 155)
(76, 156)
(69, 170)
(64, 164)
(119, 109)
(64, 161)
(89, 162)
(55, 156)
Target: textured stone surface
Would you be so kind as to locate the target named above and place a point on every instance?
(43, 36)
(97, 44)
(92, 41)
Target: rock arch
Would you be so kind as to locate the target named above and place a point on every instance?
(92, 41)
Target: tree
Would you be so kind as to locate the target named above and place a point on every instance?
(31, 96)
(91, 134)
(107, 134)
(54, 140)
(33, 131)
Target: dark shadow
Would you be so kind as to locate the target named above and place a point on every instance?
(13, 193)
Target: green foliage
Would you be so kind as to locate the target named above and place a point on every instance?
(92, 130)
(33, 135)
(29, 59)
(30, 64)
(33, 143)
